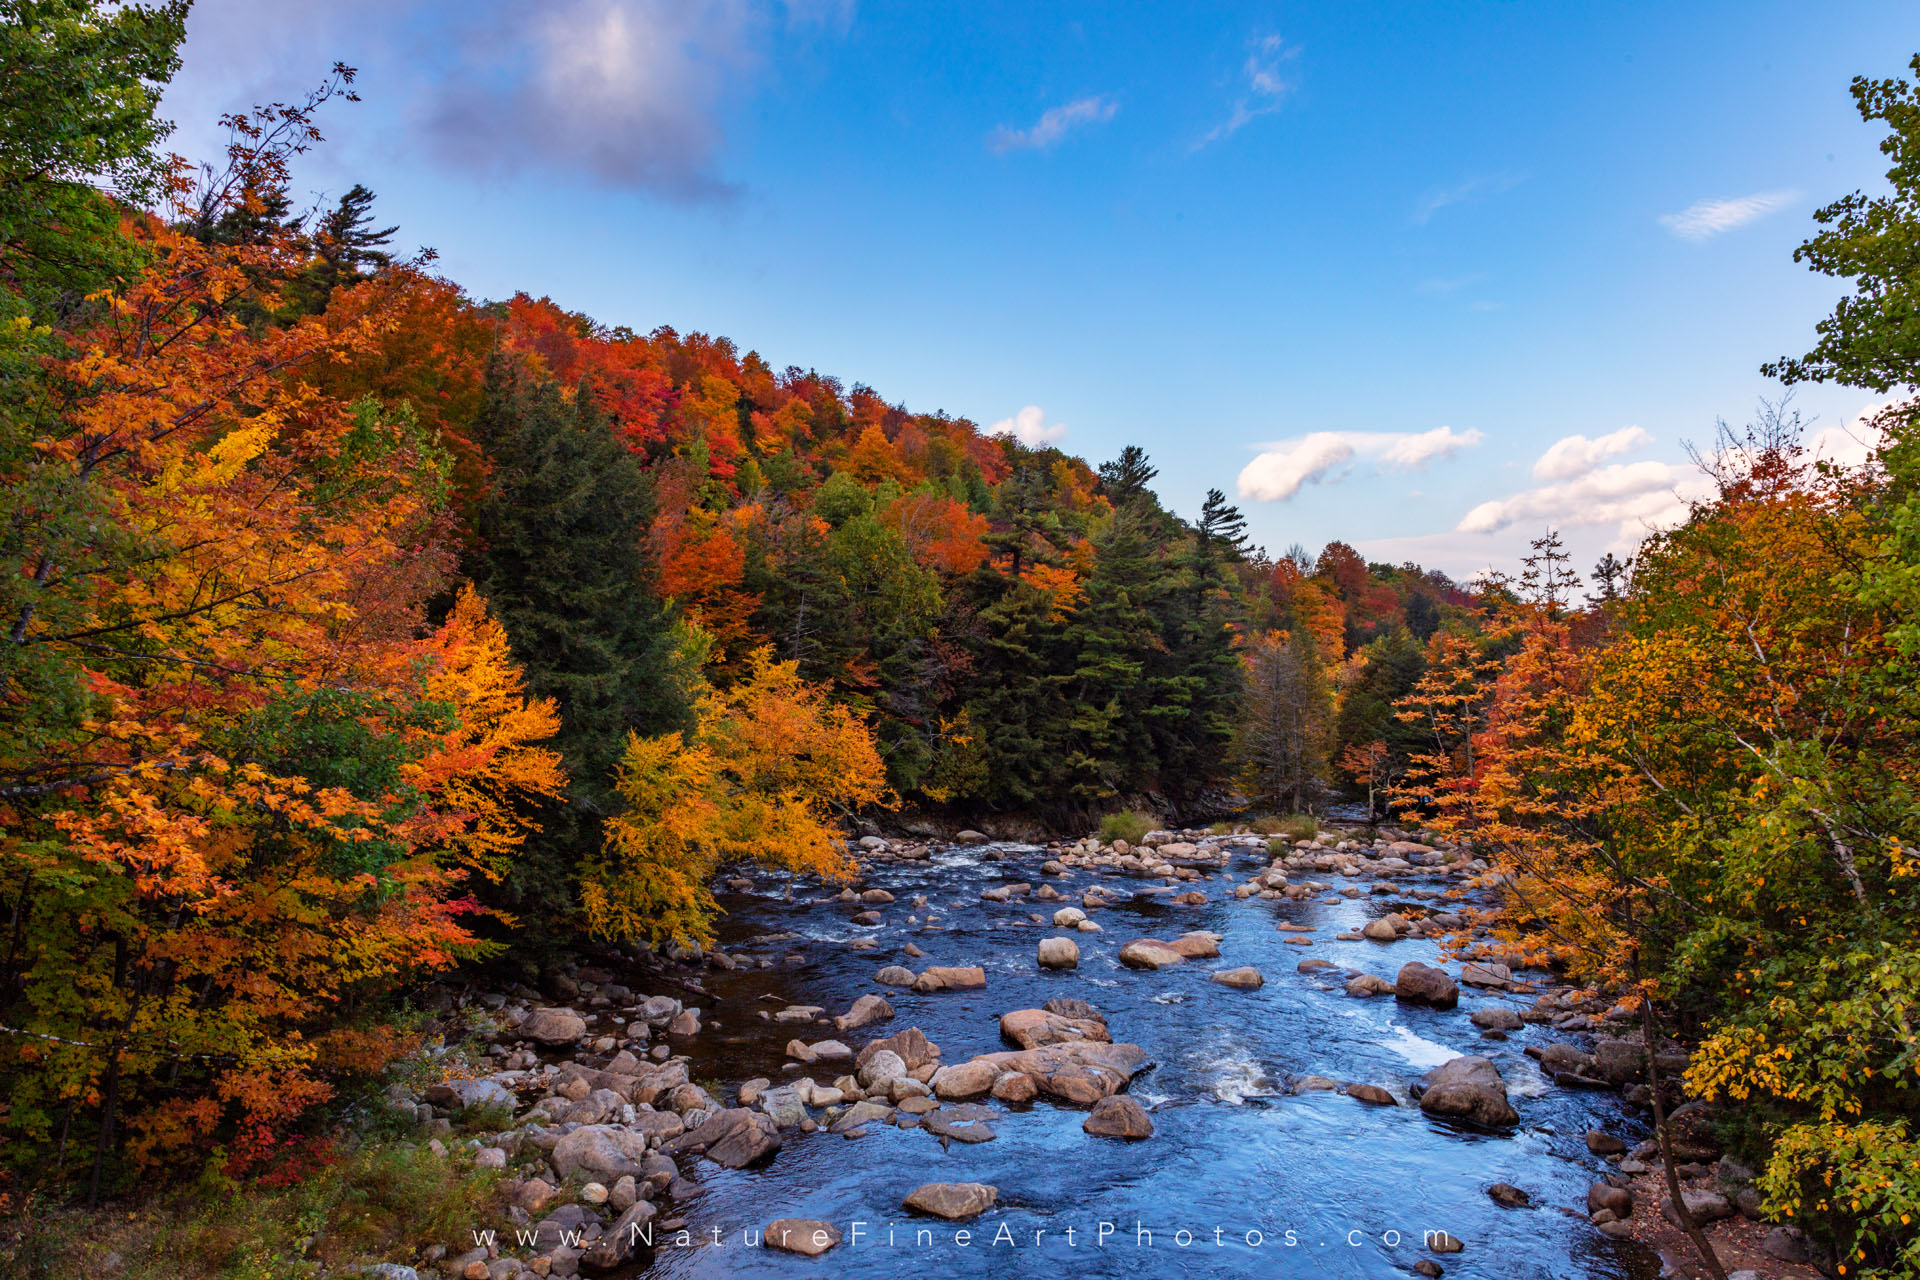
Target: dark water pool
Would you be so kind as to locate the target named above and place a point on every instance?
(1325, 1181)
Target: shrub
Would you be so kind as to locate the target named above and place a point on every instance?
(1301, 826)
(1131, 826)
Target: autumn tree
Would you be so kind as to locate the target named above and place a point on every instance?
(764, 777)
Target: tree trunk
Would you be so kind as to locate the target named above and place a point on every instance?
(1687, 1223)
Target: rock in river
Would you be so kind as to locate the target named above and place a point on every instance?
(1149, 953)
(1059, 953)
(1422, 984)
(866, 1009)
(1469, 1089)
(808, 1236)
(1245, 978)
(1082, 1072)
(554, 1026)
(953, 1201)
(1119, 1117)
(951, 978)
(1032, 1028)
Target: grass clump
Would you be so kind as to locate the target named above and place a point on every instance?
(1300, 826)
(1130, 825)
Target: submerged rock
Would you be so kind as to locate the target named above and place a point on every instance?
(809, 1237)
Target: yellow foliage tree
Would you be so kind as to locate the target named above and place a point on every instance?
(763, 777)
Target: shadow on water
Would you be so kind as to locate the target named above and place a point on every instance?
(1241, 1177)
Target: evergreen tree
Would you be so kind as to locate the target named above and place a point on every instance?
(562, 560)
(1127, 477)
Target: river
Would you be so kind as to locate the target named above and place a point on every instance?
(1241, 1177)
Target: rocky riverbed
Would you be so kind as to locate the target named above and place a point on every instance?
(1206, 1055)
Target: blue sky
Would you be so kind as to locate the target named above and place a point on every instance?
(1425, 278)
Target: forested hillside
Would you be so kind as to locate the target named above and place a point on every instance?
(359, 629)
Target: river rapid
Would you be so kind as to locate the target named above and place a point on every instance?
(1243, 1176)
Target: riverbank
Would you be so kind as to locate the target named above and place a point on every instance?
(1077, 1054)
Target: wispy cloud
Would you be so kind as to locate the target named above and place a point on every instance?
(1054, 124)
(1284, 466)
(628, 94)
(1263, 88)
(1710, 218)
(1475, 188)
(1030, 427)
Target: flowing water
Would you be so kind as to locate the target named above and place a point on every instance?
(1240, 1178)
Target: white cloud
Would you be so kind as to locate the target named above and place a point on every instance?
(1054, 124)
(1285, 465)
(1029, 427)
(1855, 442)
(1624, 493)
(1281, 469)
(1576, 455)
(1709, 218)
(1265, 87)
(1414, 451)
(1584, 490)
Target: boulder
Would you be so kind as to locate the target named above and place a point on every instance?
(1149, 953)
(806, 1236)
(733, 1138)
(1422, 984)
(1615, 1200)
(910, 1044)
(951, 978)
(1372, 1095)
(1012, 1086)
(1082, 1072)
(1703, 1206)
(866, 1009)
(554, 1026)
(1386, 929)
(1059, 953)
(1604, 1144)
(1469, 1088)
(1119, 1116)
(607, 1151)
(622, 1240)
(954, 1201)
(1508, 1196)
(460, 1094)
(1497, 976)
(1197, 945)
(894, 975)
(1496, 1018)
(965, 1080)
(1367, 985)
(1032, 1028)
(879, 1068)
(785, 1106)
(1068, 917)
(1245, 978)
(966, 1122)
